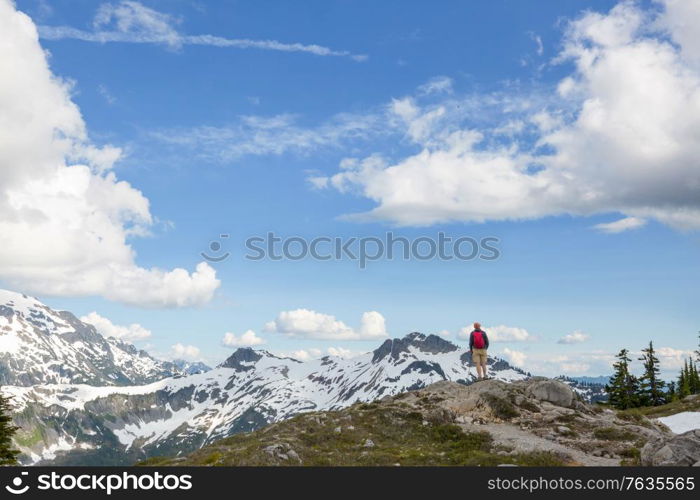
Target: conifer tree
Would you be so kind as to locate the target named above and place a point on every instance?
(623, 386)
(694, 381)
(8, 455)
(651, 387)
(671, 394)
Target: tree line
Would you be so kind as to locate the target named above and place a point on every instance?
(625, 390)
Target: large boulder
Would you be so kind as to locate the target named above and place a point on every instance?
(683, 449)
(554, 391)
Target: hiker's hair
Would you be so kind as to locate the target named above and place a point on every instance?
(477, 325)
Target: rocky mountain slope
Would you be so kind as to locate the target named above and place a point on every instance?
(103, 420)
(41, 346)
(526, 422)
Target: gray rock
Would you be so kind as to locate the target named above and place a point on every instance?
(683, 449)
(368, 443)
(553, 391)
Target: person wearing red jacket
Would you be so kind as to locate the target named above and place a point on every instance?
(478, 346)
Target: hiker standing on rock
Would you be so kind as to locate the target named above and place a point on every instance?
(478, 344)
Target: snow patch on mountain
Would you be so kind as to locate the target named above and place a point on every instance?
(39, 345)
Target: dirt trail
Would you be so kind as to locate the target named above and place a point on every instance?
(512, 437)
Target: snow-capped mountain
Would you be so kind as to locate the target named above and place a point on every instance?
(191, 367)
(81, 424)
(41, 346)
(591, 392)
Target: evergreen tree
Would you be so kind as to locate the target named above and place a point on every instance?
(671, 394)
(623, 386)
(651, 387)
(8, 455)
(694, 381)
(683, 382)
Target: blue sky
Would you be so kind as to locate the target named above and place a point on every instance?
(231, 133)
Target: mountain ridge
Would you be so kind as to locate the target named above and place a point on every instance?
(39, 345)
(126, 406)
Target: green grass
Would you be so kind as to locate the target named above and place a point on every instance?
(28, 438)
(501, 407)
(662, 410)
(614, 434)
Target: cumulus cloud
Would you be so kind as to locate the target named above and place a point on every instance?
(186, 352)
(516, 358)
(500, 333)
(304, 323)
(671, 359)
(315, 353)
(551, 364)
(106, 328)
(341, 352)
(132, 22)
(618, 136)
(576, 337)
(620, 225)
(247, 339)
(65, 217)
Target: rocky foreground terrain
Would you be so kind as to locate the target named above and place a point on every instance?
(536, 421)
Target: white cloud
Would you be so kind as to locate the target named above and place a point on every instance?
(516, 358)
(672, 359)
(301, 355)
(132, 22)
(304, 323)
(624, 138)
(106, 94)
(574, 368)
(341, 352)
(64, 216)
(618, 226)
(437, 85)
(247, 339)
(187, 352)
(106, 328)
(269, 135)
(315, 353)
(551, 364)
(576, 337)
(500, 333)
(538, 42)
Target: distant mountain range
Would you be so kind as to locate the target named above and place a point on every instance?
(81, 398)
(601, 380)
(41, 346)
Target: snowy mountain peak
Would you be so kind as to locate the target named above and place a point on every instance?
(431, 344)
(39, 345)
(191, 367)
(242, 359)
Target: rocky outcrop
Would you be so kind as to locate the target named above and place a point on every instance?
(683, 449)
(539, 415)
(554, 391)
